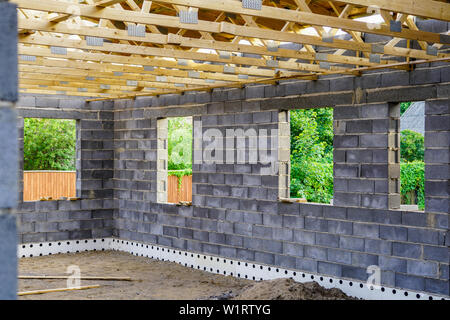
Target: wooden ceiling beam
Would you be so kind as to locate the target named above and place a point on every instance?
(309, 18)
(222, 27)
(422, 8)
(211, 71)
(177, 54)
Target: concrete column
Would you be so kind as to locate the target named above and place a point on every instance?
(162, 162)
(9, 151)
(367, 156)
(284, 154)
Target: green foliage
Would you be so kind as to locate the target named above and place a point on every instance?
(312, 154)
(412, 177)
(412, 168)
(180, 143)
(412, 146)
(49, 144)
(180, 174)
(312, 181)
(404, 106)
(312, 134)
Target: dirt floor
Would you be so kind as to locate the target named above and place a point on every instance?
(155, 280)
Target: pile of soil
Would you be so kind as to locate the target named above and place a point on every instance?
(288, 289)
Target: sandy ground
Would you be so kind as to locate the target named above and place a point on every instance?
(155, 280)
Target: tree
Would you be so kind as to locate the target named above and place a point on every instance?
(411, 146)
(312, 154)
(49, 144)
(180, 143)
(404, 106)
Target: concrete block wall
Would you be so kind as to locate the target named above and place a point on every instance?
(8, 154)
(367, 156)
(92, 216)
(235, 211)
(437, 157)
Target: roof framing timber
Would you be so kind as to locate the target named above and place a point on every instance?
(228, 46)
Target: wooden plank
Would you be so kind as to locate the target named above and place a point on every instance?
(184, 193)
(25, 293)
(423, 8)
(107, 3)
(39, 184)
(81, 278)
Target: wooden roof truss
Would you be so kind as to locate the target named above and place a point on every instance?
(126, 48)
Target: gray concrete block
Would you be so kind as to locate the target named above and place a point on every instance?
(437, 286)
(329, 269)
(425, 76)
(327, 240)
(351, 243)
(423, 236)
(339, 256)
(393, 233)
(282, 234)
(366, 230)
(355, 273)
(378, 246)
(422, 268)
(254, 92)
(334, 212)
(437, 107)
(304, 237)
(8, 53)
(316, 224)
(271, 220)
(306, 264)
(340, 227)
(293, 249)
(293, 222)
(8, 256)
(243, 229)
(409, 282)
(264, 257)
(315, 253)
(441, 254)
(406, 250)
(392, 264)
(311, 210)
(364, 260)
(9, 154)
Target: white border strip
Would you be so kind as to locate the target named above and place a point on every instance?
(220, 265)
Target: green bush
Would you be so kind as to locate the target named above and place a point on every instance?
(412, 178)
(49, 144)
(412, 146)
(312, 181)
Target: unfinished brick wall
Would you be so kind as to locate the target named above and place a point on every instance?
(367, 156)
(236, 212)
(91, 217)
